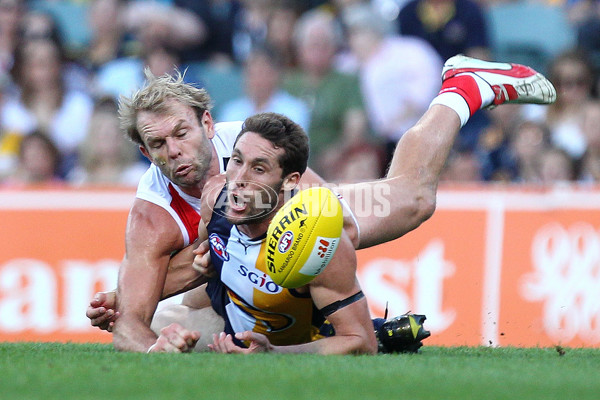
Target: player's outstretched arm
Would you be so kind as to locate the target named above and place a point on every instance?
(351, 321)
(182, 276)
(150, 238)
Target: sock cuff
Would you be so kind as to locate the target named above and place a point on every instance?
(456, 102)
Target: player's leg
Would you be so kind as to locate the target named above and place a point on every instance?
(407, 196)
(194, 313)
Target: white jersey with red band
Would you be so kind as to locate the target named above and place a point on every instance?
(185, 209)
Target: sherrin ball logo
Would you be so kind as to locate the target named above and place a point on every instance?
(285, 242)
(303, 236)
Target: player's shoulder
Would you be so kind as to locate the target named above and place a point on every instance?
(228, 130)
(224, 138)
(153, 223)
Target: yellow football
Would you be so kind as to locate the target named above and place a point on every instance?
(303, 236)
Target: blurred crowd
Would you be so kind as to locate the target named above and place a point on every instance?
(355, 74)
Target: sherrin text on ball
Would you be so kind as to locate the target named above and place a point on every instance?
(303, 237)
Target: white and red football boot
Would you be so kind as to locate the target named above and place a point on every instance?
(511, 83)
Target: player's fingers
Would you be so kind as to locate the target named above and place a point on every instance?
(95, 303)
(202, 248)
(163, 345)
(168, 347)
(213, 346)
(93, 312)
(203, 264)
(192, 339)
(102, 320)
(106, 299)
(231, 347)
(218, 343)
(180, 337)
(178, 341)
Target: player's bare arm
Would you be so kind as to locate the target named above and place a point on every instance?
(149, 241)
(351, 321)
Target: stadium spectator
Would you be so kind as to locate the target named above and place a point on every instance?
(280, 32)
(573, 75)
(9, 142)
(124, 75)
(363, 161)
(42, 101)
(556, 166)
(38, 163)
(105, 156)
(262, 79)
(221, 19)
(450, 26)
(38, 24)
(11, 13)
(462, 167)
(584, 15)
(109, 37)
(408, 65)
(590, 171)
(337, 115)
(493, 146)
(529, 142)
(158, 24)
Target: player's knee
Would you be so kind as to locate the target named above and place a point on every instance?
(426, 205)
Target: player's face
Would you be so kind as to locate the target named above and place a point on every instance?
(254, 180)
(178, 144)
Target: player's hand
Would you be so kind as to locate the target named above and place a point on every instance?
(101, 310)
(175, 338)
(202, 262)
(223, 343)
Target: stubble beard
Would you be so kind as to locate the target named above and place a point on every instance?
(255, 215)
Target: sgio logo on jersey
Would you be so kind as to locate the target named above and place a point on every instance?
(260, 280)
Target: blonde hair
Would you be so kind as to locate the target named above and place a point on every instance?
(154, 96)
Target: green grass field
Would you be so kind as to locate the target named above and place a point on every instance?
(92, 371)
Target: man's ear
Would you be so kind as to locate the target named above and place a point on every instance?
(145, 152)
(206, 121)
(291, 181)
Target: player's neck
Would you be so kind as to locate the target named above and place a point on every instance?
(255, 230)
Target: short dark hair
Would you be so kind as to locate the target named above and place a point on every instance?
(283, 133)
